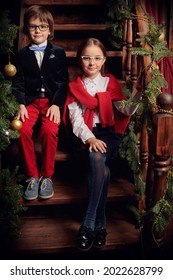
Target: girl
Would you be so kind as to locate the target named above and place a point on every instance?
(93, 106)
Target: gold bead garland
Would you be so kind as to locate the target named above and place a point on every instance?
(162, 111)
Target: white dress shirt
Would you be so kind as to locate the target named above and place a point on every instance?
(39, 54)
(76, 109)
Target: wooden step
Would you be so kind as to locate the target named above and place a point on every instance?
(63, 2)
(66, 192)
(56, 233)
(80, 27)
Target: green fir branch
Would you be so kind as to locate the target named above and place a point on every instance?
(161, 213)
(129, 150)
(9, 203)
(160, 51)
(8, 33)
(140, 51)
(116, 13)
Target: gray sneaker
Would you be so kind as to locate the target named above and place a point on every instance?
(31, 191)
(46, 188)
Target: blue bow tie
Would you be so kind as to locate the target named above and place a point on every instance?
(41, 49)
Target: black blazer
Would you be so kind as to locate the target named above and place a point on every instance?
(53, 75)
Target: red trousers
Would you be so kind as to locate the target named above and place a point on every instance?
(48, 136)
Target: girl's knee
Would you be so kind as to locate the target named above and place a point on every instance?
(97, 157)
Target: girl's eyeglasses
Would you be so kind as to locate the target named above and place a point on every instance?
(96, 59)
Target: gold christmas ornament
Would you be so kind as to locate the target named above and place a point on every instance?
(16, 124)
(161, 37)
(10, 70)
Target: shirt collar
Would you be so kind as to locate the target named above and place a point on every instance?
(44, 44)
(95, 81)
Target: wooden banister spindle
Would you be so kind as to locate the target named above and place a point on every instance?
(124, 50)
(134, 64)
(144, 152)
(134, 72)
(161, 168)
(129, 46)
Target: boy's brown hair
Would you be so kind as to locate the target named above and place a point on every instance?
(43, 14)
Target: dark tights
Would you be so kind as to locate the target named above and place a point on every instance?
(98, 180)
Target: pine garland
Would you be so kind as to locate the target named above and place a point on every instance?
(130, 151)
(163, 209)
(116, 13)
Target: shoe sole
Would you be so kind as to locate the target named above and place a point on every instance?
(30, 198)
(82, 249)
(98, 247)
(46, 197)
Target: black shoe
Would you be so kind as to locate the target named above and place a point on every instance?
(85, 238)
(100, 238)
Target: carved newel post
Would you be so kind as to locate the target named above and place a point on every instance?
(162, 143)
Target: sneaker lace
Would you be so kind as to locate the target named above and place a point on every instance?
(44, 182)
(31, 182)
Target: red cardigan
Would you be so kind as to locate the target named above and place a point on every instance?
(102, 100)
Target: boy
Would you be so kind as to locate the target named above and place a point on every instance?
(40, 88)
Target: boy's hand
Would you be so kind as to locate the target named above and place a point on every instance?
(53, 113)
(96, 145)
(22, 113)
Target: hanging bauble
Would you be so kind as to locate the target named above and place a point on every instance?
(10, 70)
(161, 37)
(155, 65)
(16, 124)
(6, 133)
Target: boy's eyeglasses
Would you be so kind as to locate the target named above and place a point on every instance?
(41, 27)
(96, 59)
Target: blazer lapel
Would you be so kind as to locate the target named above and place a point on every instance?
(31, 59)
(47, 55)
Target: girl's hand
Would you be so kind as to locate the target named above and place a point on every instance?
(22, 113)
(96, 145)
(53, 113)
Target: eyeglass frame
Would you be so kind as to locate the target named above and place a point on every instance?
(92, 58)
(33, 27)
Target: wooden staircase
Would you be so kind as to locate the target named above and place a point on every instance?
(50, 226)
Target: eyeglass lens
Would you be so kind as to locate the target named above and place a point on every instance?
(41, 27)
